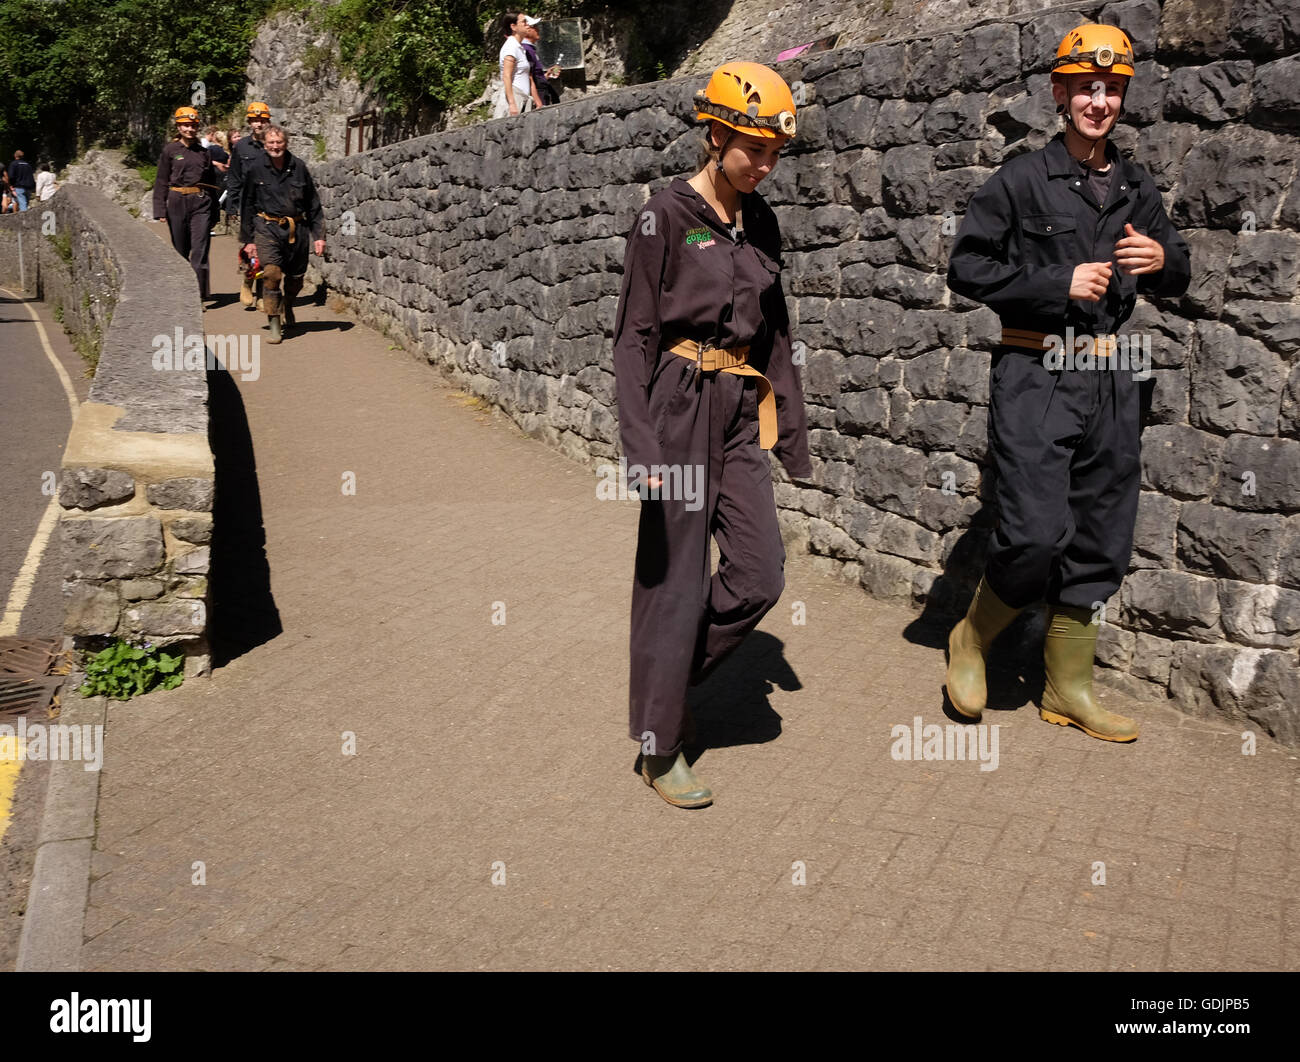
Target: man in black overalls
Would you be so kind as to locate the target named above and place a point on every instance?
(185, 191)
(1059, 243)
(243, 152)
(279, 213)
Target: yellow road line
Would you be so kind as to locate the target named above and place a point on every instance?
(9, 768)
(26, 577)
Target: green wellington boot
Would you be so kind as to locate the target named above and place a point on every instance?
(968, 647)
(672, 778)
(1068, 654)
(271, 301)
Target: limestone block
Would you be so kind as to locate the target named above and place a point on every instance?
(1237, 382)
(1265, 616)
(1215, 92)
(90, 609)
(97, 548)
(1180, 460)
(182, 493)
(1171, 603)
(1224, 542)
(87, 488)
(1155, 531)
(1260, 474)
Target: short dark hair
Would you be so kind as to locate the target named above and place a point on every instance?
(508, 21)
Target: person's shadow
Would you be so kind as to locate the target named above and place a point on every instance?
(731, 706)
(244, 614)
(1015, 666)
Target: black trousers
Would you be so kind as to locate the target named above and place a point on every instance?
(1066, 448)
(685, 622)
(189, 217)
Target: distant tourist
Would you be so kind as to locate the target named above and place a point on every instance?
(22, 180)
(215, 141)
(46, 186)
(518, 93)
(542, 78)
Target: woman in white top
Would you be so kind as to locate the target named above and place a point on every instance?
(518, 93)
(45, 186)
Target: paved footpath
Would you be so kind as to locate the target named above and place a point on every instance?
(490, 817)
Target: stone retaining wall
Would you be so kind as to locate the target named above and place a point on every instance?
(137, 475)
(496, 252)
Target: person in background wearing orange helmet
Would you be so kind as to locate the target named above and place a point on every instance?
(242, 152)
(1059, 243)
(706, 384)
(185, 193)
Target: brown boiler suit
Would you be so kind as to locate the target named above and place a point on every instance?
(687, 276)
(188, 214)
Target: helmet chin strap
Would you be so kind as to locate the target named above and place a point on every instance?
(718, 169)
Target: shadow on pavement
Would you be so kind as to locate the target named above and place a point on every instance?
(731, 706)
(302, 327)
(243, 611)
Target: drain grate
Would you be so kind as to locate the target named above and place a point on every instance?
(31, 672)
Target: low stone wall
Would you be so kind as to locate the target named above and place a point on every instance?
(496, 252)
(137, 476)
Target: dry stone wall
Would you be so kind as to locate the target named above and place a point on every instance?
(496, 251)
(137, 479)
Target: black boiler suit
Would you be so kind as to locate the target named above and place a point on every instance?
(286, 191)
(685, 276)
(189, 214)
(1064, 441)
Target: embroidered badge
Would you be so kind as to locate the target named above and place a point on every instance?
(701, 237)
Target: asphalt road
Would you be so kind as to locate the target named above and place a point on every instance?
(35, 419)
(34, 425)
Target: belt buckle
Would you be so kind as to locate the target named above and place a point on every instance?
(701, 346)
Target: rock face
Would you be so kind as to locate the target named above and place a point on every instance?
(496, 251)
(106, 169)
(293, 69)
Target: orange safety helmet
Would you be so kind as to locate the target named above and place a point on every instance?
(1095, 49)
(749, 98)
(186, 114)
(257, 109)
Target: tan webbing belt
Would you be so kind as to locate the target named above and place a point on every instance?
(733, 360)
(1102, 346)
(282, 221)
(191, 189)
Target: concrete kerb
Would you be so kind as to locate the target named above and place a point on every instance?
(56, 902)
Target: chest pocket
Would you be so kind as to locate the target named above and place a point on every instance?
(1045, 226)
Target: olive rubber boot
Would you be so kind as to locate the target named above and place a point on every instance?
(672, 778)
(291, 288)
(1068, 654)
(271, 300)
(968, 647)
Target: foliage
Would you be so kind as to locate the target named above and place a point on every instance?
(417, 52)
(116, 69)
(62, 245)
(123, 671)
(408, 51)
(148, 172)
